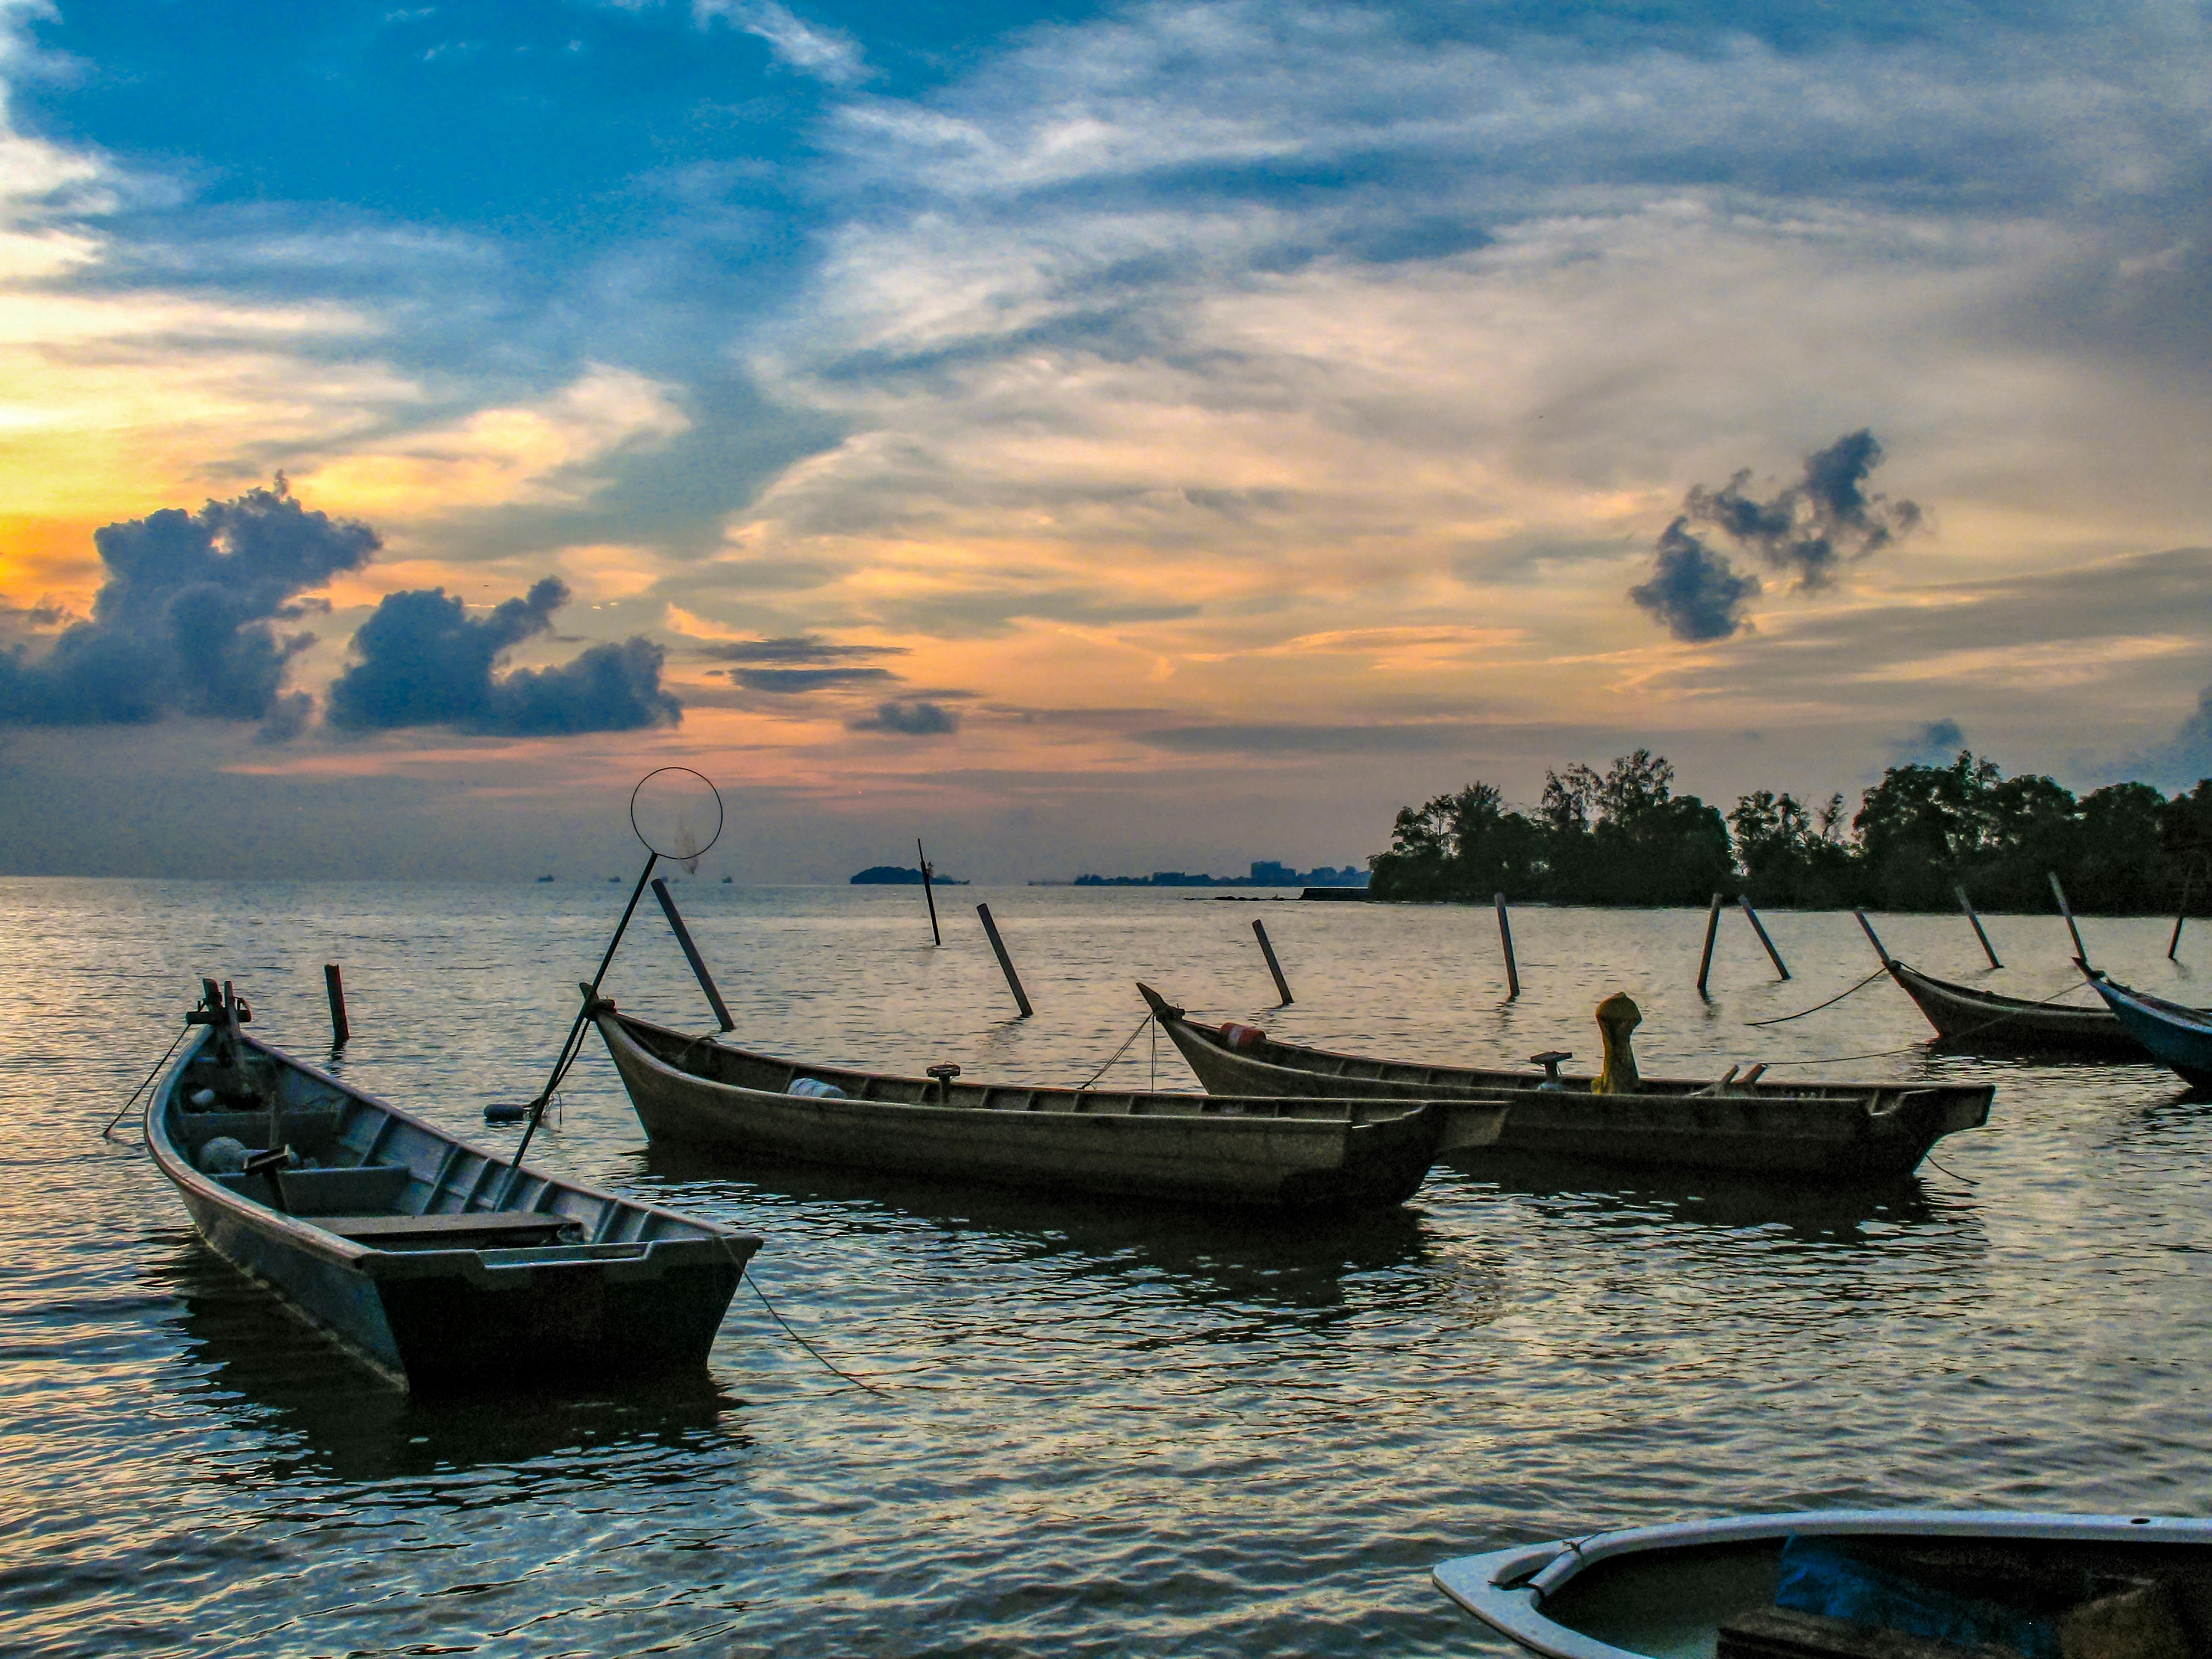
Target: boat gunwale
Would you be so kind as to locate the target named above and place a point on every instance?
(1505, 1589)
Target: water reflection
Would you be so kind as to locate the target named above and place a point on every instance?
(312, 1410)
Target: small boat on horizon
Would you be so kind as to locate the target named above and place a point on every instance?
(1780, 1130)
(1853, 1584)
(435, 1261)
(1294, 1152)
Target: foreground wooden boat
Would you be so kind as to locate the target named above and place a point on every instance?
(434, 1261)
(1985, 1021)
(1829, 1130)
(1857, 1584)
(1311, 1152)
(2178, 1038)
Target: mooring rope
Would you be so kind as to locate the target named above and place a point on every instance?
(819, 1358)
(1116, 1056)
(150, 1077)
(1783, 1019)
(1916, 1048)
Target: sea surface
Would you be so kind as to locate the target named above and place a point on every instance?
(1095, 1428)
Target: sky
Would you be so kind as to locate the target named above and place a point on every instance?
(1091, 437)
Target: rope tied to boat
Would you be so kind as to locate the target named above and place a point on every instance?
(1783, 1019)
(744, 1272)
(1918, 1047)
(148, 1078)
(1126, 1045)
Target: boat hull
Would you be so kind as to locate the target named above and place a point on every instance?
(1981, 1020)
(2178, 1038)
(1183, 1149)
(1669, 1589)
(1870, 1134)
(430, 1317)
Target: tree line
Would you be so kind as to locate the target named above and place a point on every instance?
(1626, 838)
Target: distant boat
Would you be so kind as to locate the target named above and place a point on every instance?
(545, 878)
(1866, 1131)
(2179, 1038)
(431, 1259)
(1187, 1148)
(1873, 1583)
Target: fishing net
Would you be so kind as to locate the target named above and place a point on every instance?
(677, 814)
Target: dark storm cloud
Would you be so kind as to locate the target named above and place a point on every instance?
(186, 620)
(910, 720)
(423, 660)
(1809, 529)
(1697, 592)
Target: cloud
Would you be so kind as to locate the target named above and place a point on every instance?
(1810, 528)
(1816, 524)
(423, 660)
(186, 620)
(1936, 744)
(796, 648)
(828, 55)
(1695, 591)
(2183, 759)
(792, 681)
(1260, 738)
(910, 720)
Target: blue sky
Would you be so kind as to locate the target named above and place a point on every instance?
(1187, 415)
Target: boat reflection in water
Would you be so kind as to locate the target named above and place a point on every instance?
(308, 1409)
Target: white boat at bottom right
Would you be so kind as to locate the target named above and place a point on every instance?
(1855, 1584)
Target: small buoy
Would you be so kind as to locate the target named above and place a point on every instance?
(506, 1112)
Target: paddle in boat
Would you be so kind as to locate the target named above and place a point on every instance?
(2178, 1038)
(1326, 1152)
(434, 1261)
(1782, 1131)
(1855, 1584)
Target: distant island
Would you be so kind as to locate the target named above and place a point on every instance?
(1265, 873)
(893, 875)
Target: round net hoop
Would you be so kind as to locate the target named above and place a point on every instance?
(676, 813)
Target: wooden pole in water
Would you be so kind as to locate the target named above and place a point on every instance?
(927, 897)
(1267, 950)
(2081, 951)
(1967, 905)
(1505, 938)
(1873, 937)
(1759, 928)
(692, 954)
(334, 987)
(1712, 928)
(2187, 877)
(1006, 961)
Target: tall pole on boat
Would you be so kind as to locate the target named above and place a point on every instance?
(2081, 951)
(1967, 905)
(927, 897)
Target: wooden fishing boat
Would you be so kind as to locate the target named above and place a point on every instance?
(1278, 1151)
(434, 1261)
(1827, 1130)
(1854, 1584)
(1987, 1022)
(2178, 1038)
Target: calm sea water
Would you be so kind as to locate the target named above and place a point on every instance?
(1099, 1428)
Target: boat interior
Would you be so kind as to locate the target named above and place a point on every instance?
(718, 1062)
(1895, 1597)
(348, 1165)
